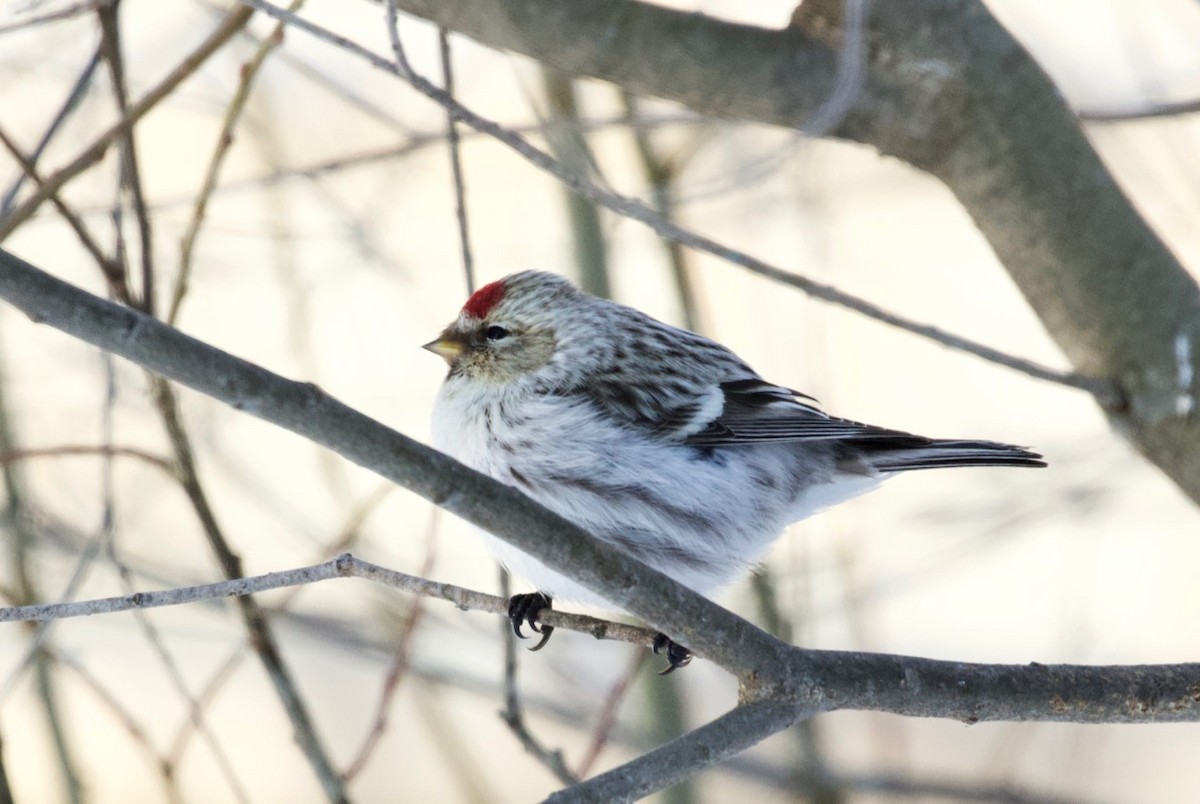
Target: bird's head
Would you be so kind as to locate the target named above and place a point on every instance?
(509, 328)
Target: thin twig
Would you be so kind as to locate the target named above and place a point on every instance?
(402, 67)
(343, 566)
(78, 92)
(66, 12)
(233, 22)
(233, 115)
(108, 267)
(1104, 390)
(608, 715)
(454, 143)
(121, 715)
(401, 662)
(23, 544)
(130, 173)
(208, 694)
(255, 620)
(68, 451)
(513, 713)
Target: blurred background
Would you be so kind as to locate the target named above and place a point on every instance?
(327, 250)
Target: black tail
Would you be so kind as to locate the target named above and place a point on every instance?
(903, 452)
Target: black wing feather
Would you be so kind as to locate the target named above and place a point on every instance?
(757, 412)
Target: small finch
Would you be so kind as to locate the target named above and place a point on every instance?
(654, 439)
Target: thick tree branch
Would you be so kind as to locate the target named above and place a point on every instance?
(304, 409)
(950, 91)
(782, 681)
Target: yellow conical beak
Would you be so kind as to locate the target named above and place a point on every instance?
(447, 347)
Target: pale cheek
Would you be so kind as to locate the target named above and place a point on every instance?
(515, 360)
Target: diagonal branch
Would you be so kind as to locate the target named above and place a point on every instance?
(782, 678)
(765, 666)
(730, 734)
(305, 409)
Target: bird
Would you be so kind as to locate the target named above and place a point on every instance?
(655, 439)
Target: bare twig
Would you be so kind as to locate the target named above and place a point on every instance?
(454, 143)
(130, 175)
(68, 451)
(233, 21)
(261, 636)
(551, 758)
(78, 92)
(608, 716)
(6, 794)
(119, 713)
(233, 115)
(21, 559)
(513, 713)
(1105, 391)
(66, 12)
(108, 267)
(401, 662)
(344, 566)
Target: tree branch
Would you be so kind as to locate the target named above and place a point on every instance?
(305, 409)
(730, 734)
(786, 680)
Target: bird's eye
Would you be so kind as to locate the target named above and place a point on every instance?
(496, 333)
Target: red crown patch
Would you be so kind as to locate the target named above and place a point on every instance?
(483, 300)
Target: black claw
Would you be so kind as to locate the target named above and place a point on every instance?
(677, 655)
(525, 609)
(547, 630)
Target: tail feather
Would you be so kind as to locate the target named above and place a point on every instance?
(905, 454)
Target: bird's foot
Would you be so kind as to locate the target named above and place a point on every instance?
(525, 609)
(677, 655)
